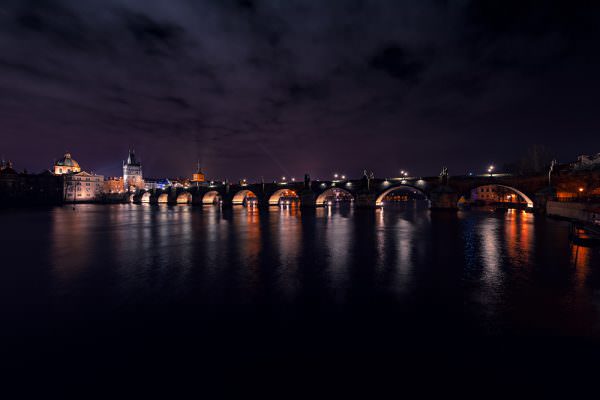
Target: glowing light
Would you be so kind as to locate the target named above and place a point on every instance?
(580, 189)
(343, 176)
(335, 176)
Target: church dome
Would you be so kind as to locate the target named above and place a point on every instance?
(67, 161)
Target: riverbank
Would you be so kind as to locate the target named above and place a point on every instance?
(580, 212)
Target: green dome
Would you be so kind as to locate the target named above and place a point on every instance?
(67, 161)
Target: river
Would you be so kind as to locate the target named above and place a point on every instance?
(228, 300)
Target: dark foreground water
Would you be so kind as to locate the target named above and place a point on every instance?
(137, 300)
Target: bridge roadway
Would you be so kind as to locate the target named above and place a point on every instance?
(441, 193)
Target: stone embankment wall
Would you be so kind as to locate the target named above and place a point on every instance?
(583, 212)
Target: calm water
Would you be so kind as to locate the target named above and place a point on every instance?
(182, 298)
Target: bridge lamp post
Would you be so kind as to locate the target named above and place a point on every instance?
(491, 170)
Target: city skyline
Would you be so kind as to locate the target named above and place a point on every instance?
(338, 173)
(432, 84)
(299, 198)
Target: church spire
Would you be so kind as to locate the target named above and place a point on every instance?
(131, 160)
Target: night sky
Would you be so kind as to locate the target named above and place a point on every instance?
(286, 87)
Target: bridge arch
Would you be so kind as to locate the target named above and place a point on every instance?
(379, 201)
(212, 197)
(243, 196)
(163, 198)
(275, 198)
(146, 197)
(527, 199)
(322, 198)
(184, 198)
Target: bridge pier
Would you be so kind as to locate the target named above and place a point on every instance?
(542, 198)
(366, 200)
(307, 199)
(443, 198)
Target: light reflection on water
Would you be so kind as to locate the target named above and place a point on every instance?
(503, 271)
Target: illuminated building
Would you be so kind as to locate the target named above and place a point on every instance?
(114, 184)
(199, 176)
(495, 194)
(150, 183)
(486, 194)
(585, 162)
(132, 173)
(66, 165)
(82, 186)
(180, 182)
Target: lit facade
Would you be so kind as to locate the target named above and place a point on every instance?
(66, 165)
(495, 194)
(199, 176)
(82, 186)
(132, 173)
(114, 184)
(151, 184)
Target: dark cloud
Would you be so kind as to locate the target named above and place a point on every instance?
(176, 101)
(394, 60)
(154, 36)
(297, 86)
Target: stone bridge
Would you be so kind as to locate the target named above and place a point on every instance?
(442, 193)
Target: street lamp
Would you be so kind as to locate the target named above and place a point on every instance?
(335, 176)
(491, 170)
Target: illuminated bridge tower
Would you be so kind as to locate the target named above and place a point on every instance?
(132, 173)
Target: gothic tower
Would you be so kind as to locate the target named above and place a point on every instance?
(132, 173)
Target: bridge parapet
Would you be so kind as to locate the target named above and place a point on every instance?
(367, 192)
